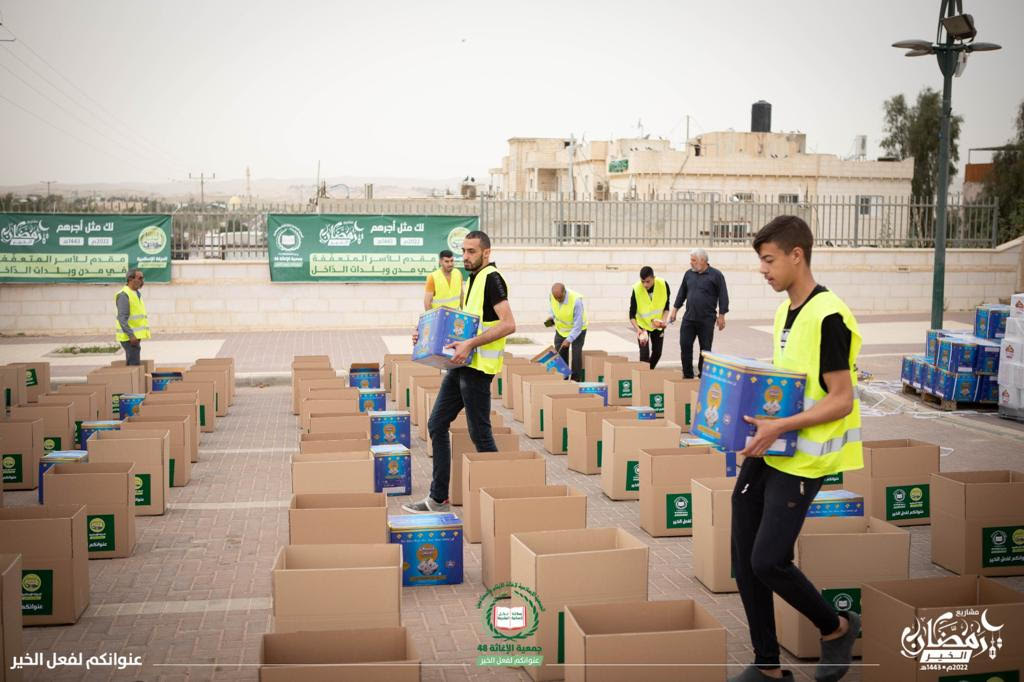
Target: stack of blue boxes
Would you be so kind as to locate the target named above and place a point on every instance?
(960, 366)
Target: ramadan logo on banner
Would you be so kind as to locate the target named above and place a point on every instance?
(361, 248)
(80, 247)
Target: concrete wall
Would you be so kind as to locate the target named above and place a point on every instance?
(238, 295)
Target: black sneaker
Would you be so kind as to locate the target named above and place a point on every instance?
(426, 506)
(752, 674)
(837, 654)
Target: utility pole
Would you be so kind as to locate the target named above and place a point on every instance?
(48, 183)
(202, 187)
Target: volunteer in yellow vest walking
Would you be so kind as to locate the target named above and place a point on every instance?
(444, 285)
(132, 324)
(469, 387)
(569, 318)
(648, 313)
(815, 333)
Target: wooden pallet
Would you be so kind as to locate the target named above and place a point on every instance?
(910, 390)
(941, 403)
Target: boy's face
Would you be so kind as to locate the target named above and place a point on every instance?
(778, 267)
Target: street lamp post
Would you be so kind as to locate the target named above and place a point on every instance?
(951, 53)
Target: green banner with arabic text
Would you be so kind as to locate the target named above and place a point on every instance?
(361, 248)
(83, 247)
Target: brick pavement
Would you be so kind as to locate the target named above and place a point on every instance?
(195, 597)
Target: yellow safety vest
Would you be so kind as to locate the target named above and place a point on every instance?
(650, 306)
(447, 294)
(834, 446)
(488, 358)
(562, 312)
(137, 320)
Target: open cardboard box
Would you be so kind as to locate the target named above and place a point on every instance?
(712, 533)
(360, 655)
(150, 454)
(332, 472)
(480, 469)
(534, 394)
(338, 518)
(461, 443)
(555, 409)
(585, 425)
(666, 499)
(895, 480)
(21, 446)
(623, 440)
(108, 492)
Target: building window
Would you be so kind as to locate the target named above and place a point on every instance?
(865, 203)
(742, 196)
(729, 232)
(572, 232)
(789, 198)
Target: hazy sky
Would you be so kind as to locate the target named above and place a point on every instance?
(434, 89)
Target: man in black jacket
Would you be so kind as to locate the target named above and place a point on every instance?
(707, 302)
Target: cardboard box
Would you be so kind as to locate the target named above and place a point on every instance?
(361, 655)
(551, 563)
(497, 384)
(839, 563)
(206, 394)
(150, 454)
(501, 379)
(404, 371)
(619, 377)
(712, 533)
(627, 641)
(21, 446)
(58, 422)
(176, 405)
(87, 407)
(623, 440)
(89, 428)
(337, 587)
(431, 546)
(220, 377)
(497, 422)
(732, 388)
(425, 398)
(147, 365)
(510, 383)
(206, 419)
(461, 443)
(679, 399)
(36, 377)
(119, 380)
(666, 499)
(14, 390)
(319, 360)
(108, 492)
(596, 369)
(438, 329)
(334, 442)
(54, 561)
(229, 363)
(10, 616)
(301, 375)
(320, 405)
(593, 361)
(482, 469)
(598, 388)
(519, 393)
(51, 459)
(390, 427)
(332, 472)
(990, 320)
(364, 375)
(388, 369)
(183, 450)
(517, 509)
(533, 402)
(555, 409)
(100, 391)
(978, 522)
(835, 511)
(392, 469)
(649, 387)
(550, 358)
(425, 381)
(901, 613)
(895, 480)
(339, 423)
(326, 388)
(159, 381)
(338, 519)
(586, 447)
(373, 399)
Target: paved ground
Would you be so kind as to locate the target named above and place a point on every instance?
(194, 599)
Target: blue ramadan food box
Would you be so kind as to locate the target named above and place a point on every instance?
(161, 379)
(987, 359)
(438, 329)
(908, 368)
(959, 386)
(364, 375)
(689, 441)
(836, 503)
(931, 345)
(550, 358)
(431, 548)
(928, 382)
(920, 367)
(990, 320)
(643, 412)
(390, 427)
(373, 400)
(392, 469)
(956, 354)
(597, 388)
(988, 389)
(733, 387)
(47, 461)
(91, 427)
(128, 404)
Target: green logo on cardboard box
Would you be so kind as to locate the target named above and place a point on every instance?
(36, 592)
(31, 582)
(51, 443)
(1002, 546)
(657, 401)
(101, 533)
(12, 472)
(625, 388)
(907, 502)
(678, 510)
(632, 475)
(30, 378)
(142, 490)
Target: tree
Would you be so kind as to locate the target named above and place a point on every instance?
(1005, 183)
(914, 131)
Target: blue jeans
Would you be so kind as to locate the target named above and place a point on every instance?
(463, 387)
(131, 353)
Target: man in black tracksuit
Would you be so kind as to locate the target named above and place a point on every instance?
(707, 302)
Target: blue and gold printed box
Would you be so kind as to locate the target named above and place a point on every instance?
(550, 358)
(920, 366)
(990, 320)
(364, 375)
(931, 346)
(836, 503)
(373, 400)
(431, 548)
(390, 427)
(597, 388)
(392, 469)
(988, 389)
(161, 379)
(986, 361)
(128, 404)
(438, 329)
(643, 412)
(91, 427)
(47, 461)
(732, 388)
(907, 369)
(959, 386)
(956, 354)
(930, 373)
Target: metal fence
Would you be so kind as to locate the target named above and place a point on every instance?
(852, 221)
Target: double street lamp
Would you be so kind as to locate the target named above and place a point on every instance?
(954, 40)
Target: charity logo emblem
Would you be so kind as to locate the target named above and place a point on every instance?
(138, 484)
(31, 582)
(342, 233)
(49, 444)
(899, 495)
(152, 240)
(97, 525)
(953, 638)
(8, 463)
(455, 238)
(25, 233)
(288, 237)
(842, 601)
(681, 503)
(916, 494)
(510, 621)
(998, 538)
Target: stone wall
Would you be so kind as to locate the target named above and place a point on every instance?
(238, 295)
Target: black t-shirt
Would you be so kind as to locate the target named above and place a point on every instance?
(835, 339)
(495, 291)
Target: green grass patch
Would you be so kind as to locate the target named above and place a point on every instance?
(82, 350)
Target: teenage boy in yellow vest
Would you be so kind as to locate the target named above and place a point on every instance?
(444, 285)
(132, 322)
(814, 333)
(569, 318)
(648, 313)
(469, 387)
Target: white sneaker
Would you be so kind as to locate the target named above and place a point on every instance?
(426, 506)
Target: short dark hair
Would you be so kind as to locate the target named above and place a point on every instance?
(787, 232)
(446, 254)
(131, 274)
(485, 241)
(646, 271)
